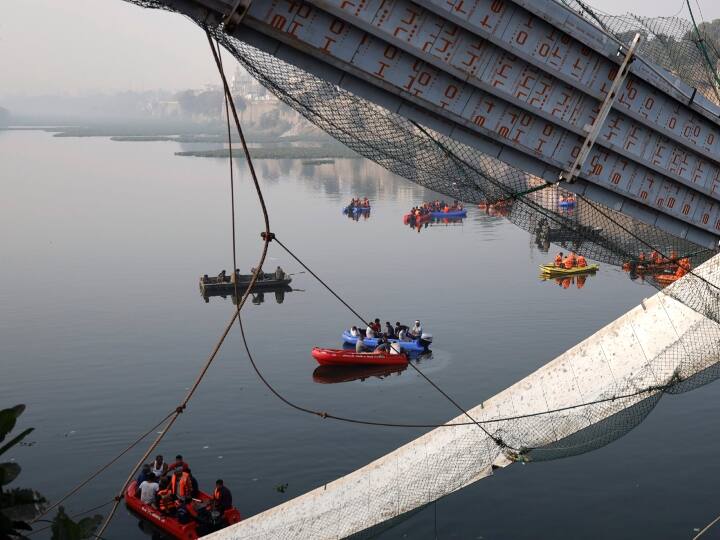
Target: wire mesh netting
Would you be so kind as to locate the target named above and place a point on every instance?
(674, 43)
(690, 359)
(446, 166)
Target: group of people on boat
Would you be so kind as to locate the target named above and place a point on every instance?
(223, 277)
(362, 204)
(171, 488)
(435, 206)
(672, 267)
(571, 261)
(501, 207)
(375, 330)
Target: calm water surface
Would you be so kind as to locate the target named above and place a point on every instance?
(102, 330)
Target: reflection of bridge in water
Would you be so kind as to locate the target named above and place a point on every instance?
(499, 102)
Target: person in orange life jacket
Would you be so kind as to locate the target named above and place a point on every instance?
(222, 498)
(559, 259)
(581, 262)
(181, 485)
(178, 463)
(194, 491)
(568, 262)
(165, 497)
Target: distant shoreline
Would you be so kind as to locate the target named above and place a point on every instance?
(279, 152)
(317, 146)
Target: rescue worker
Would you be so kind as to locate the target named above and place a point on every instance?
(279, 273)
(376, 326)
(354, 332)
(417, 330)
(222, 498)
(370, 332)
(559, 260)
(389, 330)
(178, 463)
(581, 262)
(360, 346)
(165, 497)
(573, 258)
(398, 328)
(148, 490)
(383, 345)
(181, 485)
(568, 263)
(158, 467)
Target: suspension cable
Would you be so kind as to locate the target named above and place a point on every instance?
(99, 471)
(266, 236)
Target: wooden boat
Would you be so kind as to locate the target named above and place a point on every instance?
(171, 525)
(223, 284)
(552, 270)
(345, 357)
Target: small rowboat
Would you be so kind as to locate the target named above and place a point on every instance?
(408, 346)
(171, 525)
(552, 270)
(345, 357)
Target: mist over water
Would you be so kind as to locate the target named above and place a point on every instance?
(103, 329)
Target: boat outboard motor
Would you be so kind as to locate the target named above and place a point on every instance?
(426, 340)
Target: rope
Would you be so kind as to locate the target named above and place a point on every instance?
(707, 527)
(266, 236)
(701, 45)
(73, 516)
(99, 471)
(497, 440)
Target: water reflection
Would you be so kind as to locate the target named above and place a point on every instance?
(420, 224)
(568, 281)
(257, 297)
(334, 177)
(340, 374)
(568, 238)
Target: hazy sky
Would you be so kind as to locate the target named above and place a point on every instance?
(79, 46)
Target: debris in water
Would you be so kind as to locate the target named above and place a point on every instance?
(281, 488)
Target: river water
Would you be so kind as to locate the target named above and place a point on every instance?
(103, 329)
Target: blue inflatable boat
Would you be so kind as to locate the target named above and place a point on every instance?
(452, 214)
(409, 346)
(355, 209)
